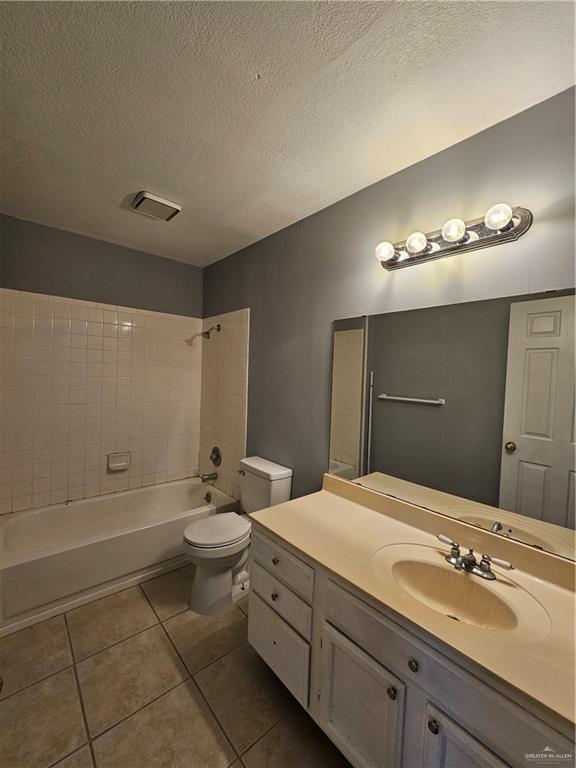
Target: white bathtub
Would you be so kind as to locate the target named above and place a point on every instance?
(56, 557)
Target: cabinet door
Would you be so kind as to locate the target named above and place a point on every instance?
(361, 703)
(447, 745)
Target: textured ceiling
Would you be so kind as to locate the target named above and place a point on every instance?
(251, 115)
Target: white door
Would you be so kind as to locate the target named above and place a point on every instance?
(538, 472)
(447, 745)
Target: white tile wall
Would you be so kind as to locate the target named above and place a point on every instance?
(225, 397)
(80, 380)
(347, 397)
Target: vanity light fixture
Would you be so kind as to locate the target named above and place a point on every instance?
(501, 224)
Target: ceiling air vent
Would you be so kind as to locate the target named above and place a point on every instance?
(155, 207)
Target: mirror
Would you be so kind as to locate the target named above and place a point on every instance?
(348, 381)
(467, 409)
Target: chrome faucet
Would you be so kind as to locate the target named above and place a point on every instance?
(496, 526)
(208, 477)
(469, 563)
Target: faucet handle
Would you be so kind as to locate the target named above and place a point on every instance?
(487, 559)
(454, 548)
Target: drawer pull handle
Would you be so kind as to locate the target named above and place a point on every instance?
(413, 665)
(274, 596)
(392, 692)
(275, 561)
(433, 727)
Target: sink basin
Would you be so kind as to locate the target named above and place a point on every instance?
(455, 594)
(525, 532)
(422, 573)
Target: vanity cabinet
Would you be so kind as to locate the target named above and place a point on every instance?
(379, 690)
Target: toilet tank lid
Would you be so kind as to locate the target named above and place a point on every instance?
(264, 468)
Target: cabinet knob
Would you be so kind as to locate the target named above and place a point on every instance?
(433, 727)
(275, 561)
(274, 596)
(392, 692)
(413, 665)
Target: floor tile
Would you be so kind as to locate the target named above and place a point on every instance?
(243, 605)
(200, 640)
(169, 593)
(116, 682)
(104, 622)
(41, 724)
(80, 759)
(175, 731)
(33, 653)
(259, 700)
(295, 741)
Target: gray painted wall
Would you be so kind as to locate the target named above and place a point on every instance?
(47, 260)
(299, 280)
(457, 352)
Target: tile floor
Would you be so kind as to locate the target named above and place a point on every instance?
(137, 680)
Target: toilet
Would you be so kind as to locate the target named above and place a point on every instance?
(218, 544)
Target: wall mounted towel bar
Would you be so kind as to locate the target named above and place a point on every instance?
(418, 400)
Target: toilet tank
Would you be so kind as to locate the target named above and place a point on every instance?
(263, 483)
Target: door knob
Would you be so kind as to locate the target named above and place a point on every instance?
(509, 447)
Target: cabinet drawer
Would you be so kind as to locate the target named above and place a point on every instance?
(509, 731)
(283, 565)
(280, 646)
(279, 597)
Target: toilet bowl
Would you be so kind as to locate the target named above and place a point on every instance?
(218, 547)
(218, 544)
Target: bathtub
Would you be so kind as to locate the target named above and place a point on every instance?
(54, 558)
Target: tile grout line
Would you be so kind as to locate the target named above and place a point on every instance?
(203, 669)
(36, 682)
(200, 669)
(91, 738)
(115, 643)
(69, 754)
(195, 684)
(145, 596)
(79, 690)
(215, 661)
(266, 732)
(189, 677)
(136, 711)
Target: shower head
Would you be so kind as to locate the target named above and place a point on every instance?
(206, 334)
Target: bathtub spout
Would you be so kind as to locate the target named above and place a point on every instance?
(210, 476)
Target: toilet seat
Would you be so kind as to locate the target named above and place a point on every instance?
(215, 531)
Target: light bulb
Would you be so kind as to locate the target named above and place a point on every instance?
(454, 230)
(416, 242)
(385, 251)
(498, 217)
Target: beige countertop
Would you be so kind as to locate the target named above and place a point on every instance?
(342, 528)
